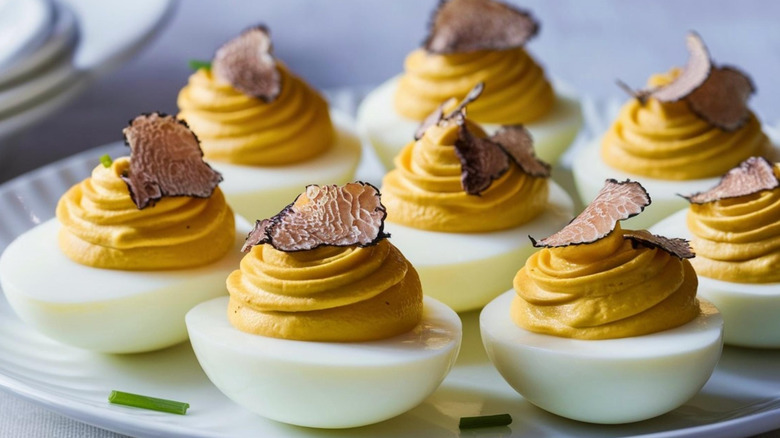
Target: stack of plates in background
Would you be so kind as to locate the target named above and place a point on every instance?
(51, 49)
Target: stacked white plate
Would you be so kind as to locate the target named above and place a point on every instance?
(51, 49)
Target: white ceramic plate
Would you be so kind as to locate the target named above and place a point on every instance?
(742, 398)
(105, 42)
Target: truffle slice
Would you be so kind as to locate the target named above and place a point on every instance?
(675, 246)
(460, 26)
(352, 214)
(246, 63)
(518, 144)
(165, 160)
(751, 176)
(722, 99)
(482, 161)
(615, 202)
(433, 119)
(696, 71)
(718, 95)
(438, 117)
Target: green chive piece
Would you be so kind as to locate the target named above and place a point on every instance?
(106, 160)
(485, 421)
(151, 403)
(196, 64)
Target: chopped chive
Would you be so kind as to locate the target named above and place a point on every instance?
(196, 64)
(151, 403)
(485, 421)
(106, 160)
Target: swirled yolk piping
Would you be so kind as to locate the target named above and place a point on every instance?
(103, 228)
(424, 190)
(738, 239)
(330, 294)
(604, 290)
(240, 129)
(666, 140)
(516, 90)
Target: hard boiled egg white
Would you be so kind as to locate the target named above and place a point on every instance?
(603, 381)
(325, 384)
(467, 270)
(751, 311)
(590, 171)
(389, 132)
(106, 310)
(259, 192)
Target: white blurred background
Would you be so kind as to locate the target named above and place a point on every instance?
(342, 43)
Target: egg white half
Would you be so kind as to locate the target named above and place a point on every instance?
(106, 310)
(259, 192)
(751, 311)
(467, 270)
(389, 132)
(590, 171)
(325, 384)
(607, 381)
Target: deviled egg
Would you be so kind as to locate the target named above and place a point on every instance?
(465, 47)
(266, 130)
(460, 205)
(324, 315)
(734, 228)
(689, 127)
(603, 324)
(131, 250)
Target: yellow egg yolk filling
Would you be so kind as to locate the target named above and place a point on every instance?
(329, 294)
(738, 239)
(424, 190)
(516, 90)
(240, 129)
(103, 228)
(666, 140)
(604, 290)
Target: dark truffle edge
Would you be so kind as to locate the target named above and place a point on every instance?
(535, 243)
(276, 220)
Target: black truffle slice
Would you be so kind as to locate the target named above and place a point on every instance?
(718, 95)
(482, 161)
(722, 99)
(518, 144)
(348, 215)
(165, 160)
(438, 117)
(751, 176)
(433, 119)
(675, 246)
(246, 63)
(615, 201)
(460, 26)
(696, 71)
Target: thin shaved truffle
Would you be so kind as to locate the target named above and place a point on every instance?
(696, 71)
(433, 119)
(437, 117)
(751, 176)
(518, 144)
(722, 99)
(165, 160)
(246, 63)
(482, 161)
(717, 95)
(615, 202)
(460, 26)
(347, 215)
(675, 246)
